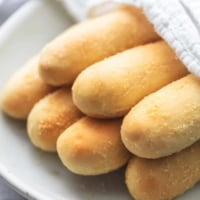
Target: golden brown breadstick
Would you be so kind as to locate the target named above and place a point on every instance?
(166, 121)
(50, 117)
(92, 147)
(23, 90)
(111, 87)
(93, 40)
(164, 178)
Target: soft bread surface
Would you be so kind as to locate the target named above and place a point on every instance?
(23, 90)
(50, 117)
(164, 178)
(93, 40)
(111, 87)
(92, 147)
(166, 121)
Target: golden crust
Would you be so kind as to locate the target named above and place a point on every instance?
(111, 87)
(164, 178)
(166, 121)
(50, 117)
(23, 90)
(93, 40)
(92, 147)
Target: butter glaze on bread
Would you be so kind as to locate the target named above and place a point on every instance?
(93, 40)
(23, 90)
(111, 87)
(164, 178)
(92, 147)
(166, 121)
(50, 117)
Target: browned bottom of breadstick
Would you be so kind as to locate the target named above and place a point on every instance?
(50, 117)
(92, 147)
(23, 90)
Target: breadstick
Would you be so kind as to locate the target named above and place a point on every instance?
(23, 90)
(166, 121)
(93, 40)
(111, 87)
(50, 117)
(164, 178)
(92, 147)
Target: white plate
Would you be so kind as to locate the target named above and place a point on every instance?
(35, 174)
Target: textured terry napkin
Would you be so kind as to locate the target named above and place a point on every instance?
(177, 21)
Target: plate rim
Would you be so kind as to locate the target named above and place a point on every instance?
(5, 31)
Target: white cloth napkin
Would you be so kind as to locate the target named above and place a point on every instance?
(177, 21)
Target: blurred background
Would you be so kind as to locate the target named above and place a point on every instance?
(7, 7)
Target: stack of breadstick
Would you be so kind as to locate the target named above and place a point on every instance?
(110, 92)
